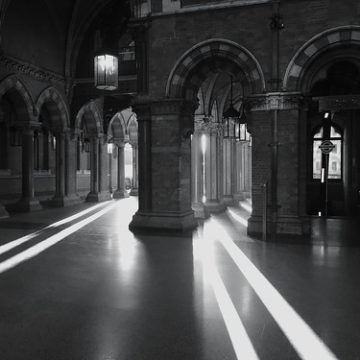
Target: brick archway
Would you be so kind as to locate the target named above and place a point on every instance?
(312, 49)
(236, 55)
(24, 101)
(56, 106)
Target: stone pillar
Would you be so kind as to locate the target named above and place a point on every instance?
(28, 202)
(58, 199)
(103, 169)
(197, 178)
(135, 160)
(94, 170)
(99, 182)
(65, 193)
(213, 171)
(289, 219)
(120, 191)
(164, 159)
(71, 149)
(229, 171)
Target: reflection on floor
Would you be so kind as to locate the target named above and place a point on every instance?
(87, 288)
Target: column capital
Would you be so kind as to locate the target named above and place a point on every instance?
(274, 101)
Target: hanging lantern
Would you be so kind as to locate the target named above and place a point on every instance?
(231, 117)
(106, 71)
(242, 133)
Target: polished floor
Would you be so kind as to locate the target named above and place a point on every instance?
(76, 284)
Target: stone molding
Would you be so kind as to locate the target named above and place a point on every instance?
(18, 66)
(338, 103)
(173, 106)
(274, 101)
(208, 125)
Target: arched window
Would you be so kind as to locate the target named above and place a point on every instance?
(333, 161)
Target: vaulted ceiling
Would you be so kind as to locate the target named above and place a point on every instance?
(49, 34)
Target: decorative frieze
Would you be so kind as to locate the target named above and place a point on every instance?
(273, 101)
(338, 103)
(32, 71)
(208, 124)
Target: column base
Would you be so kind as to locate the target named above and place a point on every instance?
(289, 226)
(120, 194)
(229, 200)
(200, 212)
(163, 221)
(134, 192)
(62, 201)
(214, 206)
(3, 212)
(98, 197)
(241, 196)
(26, 205)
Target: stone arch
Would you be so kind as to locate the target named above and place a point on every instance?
(56, 106)
(235, 54)
(314, 48)
(132, 128)
(22, 98)
(92, 114)
(117, 128)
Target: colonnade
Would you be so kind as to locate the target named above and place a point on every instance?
(221, 169)
(65, 189)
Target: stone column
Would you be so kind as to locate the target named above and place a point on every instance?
(135, 160)
(103, 168)
(94, 170)
(58, 198)
(229, 171)
(120, 192)
(289, 219)
(213, 170)
(71, 196)
(99, 182)
(65, 193)
(165, 160)
(28, 202)
(197, 176)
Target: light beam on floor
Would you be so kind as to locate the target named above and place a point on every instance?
(239, 338)
(237, 217)
(50, 241)
(14, 243)
(306, 343)
(246, 206)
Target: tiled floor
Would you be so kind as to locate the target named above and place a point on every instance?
(95, 291)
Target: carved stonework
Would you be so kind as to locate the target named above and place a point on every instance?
(34, 72)
(338, 103)
(274, 101)
(208, 125)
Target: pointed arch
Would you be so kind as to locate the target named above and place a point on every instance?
(238, 57)
(91, 112)
(117, 128)
(56, 106)
(312, 49)
(21, 96)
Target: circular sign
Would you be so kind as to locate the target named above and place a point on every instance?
(326, 147)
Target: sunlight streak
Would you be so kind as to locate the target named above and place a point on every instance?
(50, 241)
(14, 243)
(306, 343)
(239, 338)
(238, 218)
